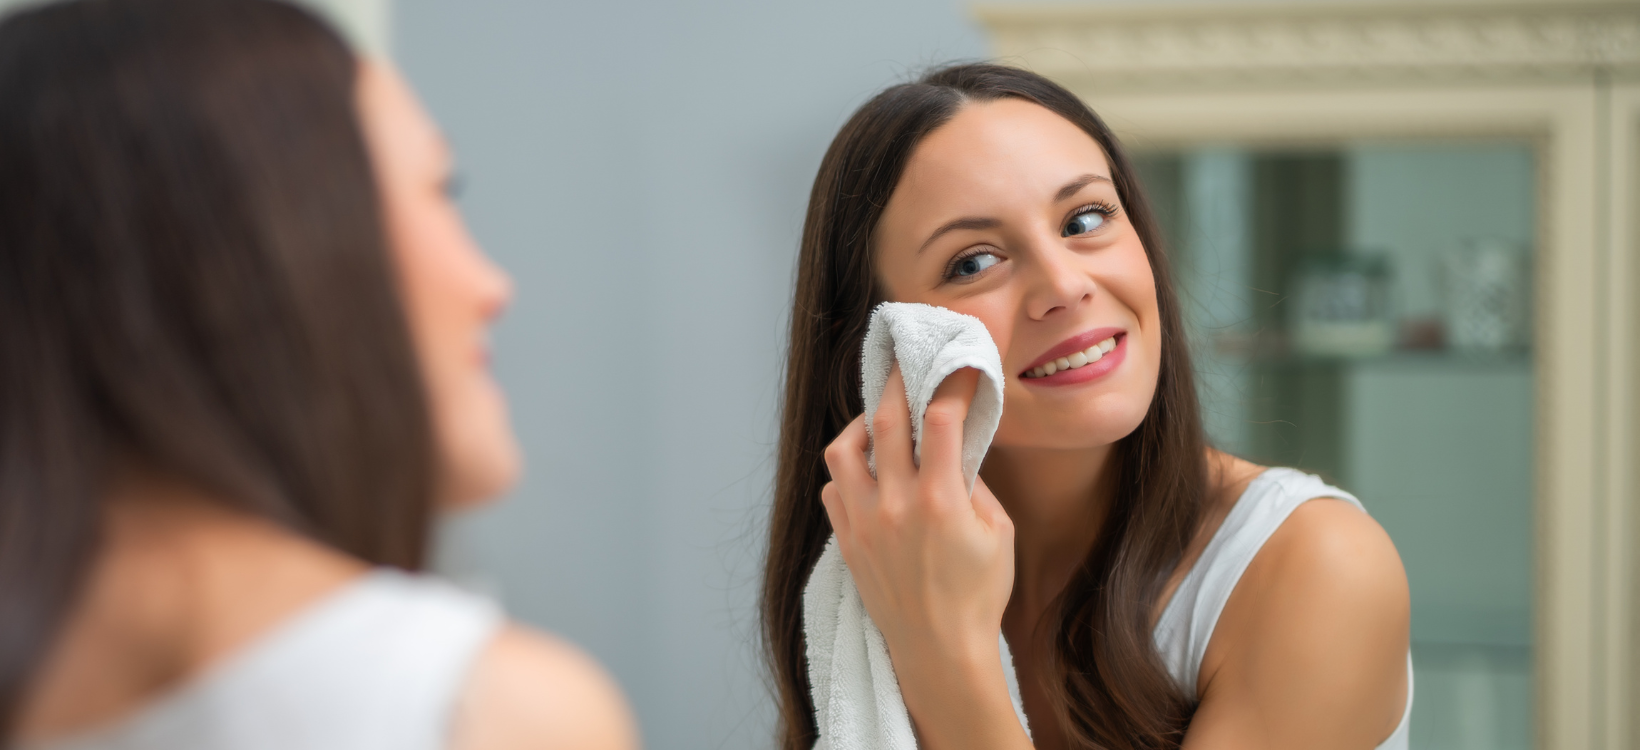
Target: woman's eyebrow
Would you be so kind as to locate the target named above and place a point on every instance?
(1071, 188)
(968, 223)
(1074, 186)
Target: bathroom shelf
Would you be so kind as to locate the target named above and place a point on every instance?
(1422, 358)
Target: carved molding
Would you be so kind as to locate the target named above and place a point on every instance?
(1125, 46)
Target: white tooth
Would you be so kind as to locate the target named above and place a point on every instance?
(1040, 372)
(1064, 364)
(1051, 368)
(1108, 344)
(1095, 354)
(1077, 360)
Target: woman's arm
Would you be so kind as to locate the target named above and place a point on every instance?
(1311, 650)
(934, 566)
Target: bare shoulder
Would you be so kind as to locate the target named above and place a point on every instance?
(1338, 537)
(1331, 560)
(1330, 567)
(1314, 638)
(531, 690)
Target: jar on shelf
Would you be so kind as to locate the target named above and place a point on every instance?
(1341, 307)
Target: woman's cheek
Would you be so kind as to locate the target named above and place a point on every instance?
(995, 311)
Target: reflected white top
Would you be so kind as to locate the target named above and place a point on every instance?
(1187, 624)
(377, 665)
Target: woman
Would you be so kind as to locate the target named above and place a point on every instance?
(998, 194)
(242, 368)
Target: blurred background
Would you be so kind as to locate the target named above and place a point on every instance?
(1362, 306)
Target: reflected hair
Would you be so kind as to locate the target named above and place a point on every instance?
(193, 279)
(1107, 682)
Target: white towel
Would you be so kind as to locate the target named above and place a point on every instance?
(857, 698)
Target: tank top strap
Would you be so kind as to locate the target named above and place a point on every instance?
(380, 664)
(1186, 625)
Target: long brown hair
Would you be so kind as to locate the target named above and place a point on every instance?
(1110, 687)
(193, 276)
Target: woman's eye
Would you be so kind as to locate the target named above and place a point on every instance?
(1083, 223)
(973, 264)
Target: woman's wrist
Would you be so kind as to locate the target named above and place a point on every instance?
(958, 697)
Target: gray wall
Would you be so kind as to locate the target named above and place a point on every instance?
(641, 168)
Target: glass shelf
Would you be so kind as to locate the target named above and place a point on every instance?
(1444, 358)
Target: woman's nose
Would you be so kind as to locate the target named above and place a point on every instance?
(495, 287)
(1059, 283)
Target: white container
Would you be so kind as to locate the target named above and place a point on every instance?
(1487, 289)
(1341, 307)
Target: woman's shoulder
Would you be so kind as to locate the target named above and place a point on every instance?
(1329, 548)
(1324, 603)
(1312, 519)
(528, 689)
(1323, 543)
(1322, 535)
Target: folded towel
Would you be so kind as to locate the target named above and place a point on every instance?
(857, 698)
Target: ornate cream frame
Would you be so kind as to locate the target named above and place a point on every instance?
(1564, 74)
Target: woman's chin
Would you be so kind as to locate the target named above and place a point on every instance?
(1093, 425)
(482, 457)
(482, 471)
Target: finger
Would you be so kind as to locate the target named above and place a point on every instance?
(989, 509)
(942, 424)
(836, 509)
(846, 457)
(891, 430)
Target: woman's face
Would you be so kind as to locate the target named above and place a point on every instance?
(1008, 213)
(451, 291)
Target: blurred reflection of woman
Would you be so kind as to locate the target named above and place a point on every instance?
(1155, 592)
(242, 368)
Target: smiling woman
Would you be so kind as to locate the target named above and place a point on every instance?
(1155, 592)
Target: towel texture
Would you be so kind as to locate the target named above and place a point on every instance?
(856, 695)
(930, 343)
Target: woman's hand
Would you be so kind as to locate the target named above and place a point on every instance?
(934, 564)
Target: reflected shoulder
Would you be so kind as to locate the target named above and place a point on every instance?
(532, 690)
(1329, 565)
(1331, 544)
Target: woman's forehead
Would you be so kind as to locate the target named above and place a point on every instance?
(393, 117)
(1006, 135)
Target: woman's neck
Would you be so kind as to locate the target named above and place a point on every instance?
(1057, 500)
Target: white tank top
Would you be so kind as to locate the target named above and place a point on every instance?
(1187, 623)
(377, 665)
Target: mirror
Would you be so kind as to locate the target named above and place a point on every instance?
(1363, 311)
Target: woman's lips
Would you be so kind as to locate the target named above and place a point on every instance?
(1079, 359)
